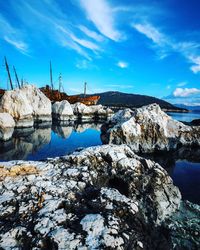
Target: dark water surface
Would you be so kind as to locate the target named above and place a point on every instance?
(183, 165)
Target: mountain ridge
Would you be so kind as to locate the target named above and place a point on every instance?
(120, 99)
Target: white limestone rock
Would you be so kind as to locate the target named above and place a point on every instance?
(87, 113)
(7, 125)
(103, 197)
(149, 129)
(62, 111)
(26, 105)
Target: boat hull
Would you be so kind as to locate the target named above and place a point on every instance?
(56, 96)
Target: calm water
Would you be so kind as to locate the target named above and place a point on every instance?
(36, 144)
(42, 143)
(185, 117)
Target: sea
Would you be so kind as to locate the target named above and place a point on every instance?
(53, 141)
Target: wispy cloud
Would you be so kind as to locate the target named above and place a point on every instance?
(122, 64)
(57, 27)
(165, 45)
(181, 84)
(152, 33)
(90, 33)
(119, 86)
(85, 64)
(101, 14)
(13, 36)
(168, 87)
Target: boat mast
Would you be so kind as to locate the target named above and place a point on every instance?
(8, 71)
(85, 84)
(16, 76)
(22, 82)
(51, 78)
(60, 82)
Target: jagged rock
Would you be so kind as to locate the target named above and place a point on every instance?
(7, 125)
(149, 129)
(103, 197)
(91, 112)
(26, 105)
(62, 111)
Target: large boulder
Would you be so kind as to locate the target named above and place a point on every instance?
(149, 129)
(7, 125)
(62, 111)
(103, 197)
(26, 105)
(87, 113)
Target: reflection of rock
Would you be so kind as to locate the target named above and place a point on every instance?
(26, 105)
(62, 111)
(81, 127)
(93, 112)
(7, 125)
(26, 142)
(62, 131)
(149, 129)
(103, 197)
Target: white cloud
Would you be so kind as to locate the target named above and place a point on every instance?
(91, 33)
(120, 86)
(168, 87)
(185, 92)
(12, 36)
(85, 43)
(165, 45)
(57, 28)
(181, 84)
(196, 67)
(100, 13)
(85, 64)
(151, 32)
(122, 64)
(20, 45)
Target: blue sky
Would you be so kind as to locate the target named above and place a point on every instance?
(147, 47)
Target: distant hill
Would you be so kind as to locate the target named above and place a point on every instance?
(193, 108)
(119, 99)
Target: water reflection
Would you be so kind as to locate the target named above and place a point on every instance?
(183, 165)
(51, 141)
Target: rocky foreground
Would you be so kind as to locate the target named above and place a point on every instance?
(103, 197)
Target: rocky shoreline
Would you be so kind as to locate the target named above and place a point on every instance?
(103, 197)
(28, 106)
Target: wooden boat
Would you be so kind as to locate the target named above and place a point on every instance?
(57, 95)
(53, 94)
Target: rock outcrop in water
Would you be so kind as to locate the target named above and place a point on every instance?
(149, 129)
(103, 197)
(26, 105)
(7, 125)
(62, 111)
(89, 113)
